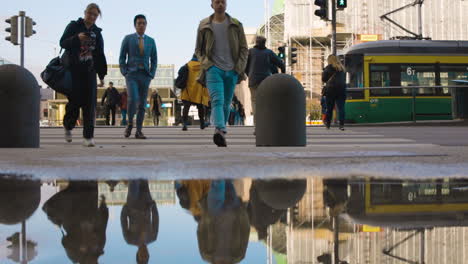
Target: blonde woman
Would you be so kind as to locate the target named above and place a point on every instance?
(84, 49)
(334, 77)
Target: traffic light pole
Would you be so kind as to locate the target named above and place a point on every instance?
(333, 9)
(22, 18)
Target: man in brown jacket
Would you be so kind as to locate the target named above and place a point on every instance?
(222, 51)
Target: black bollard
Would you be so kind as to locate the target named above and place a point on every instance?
(19, 104)
(281, 113)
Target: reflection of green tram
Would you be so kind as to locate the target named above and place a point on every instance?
(429, 65)
(405, 204)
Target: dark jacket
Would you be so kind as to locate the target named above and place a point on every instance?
(260, 64)
(139, 217)
(156, 101)
(337, 86)
(72, 45)
(84, 220)
(123, 100)
(112, 96)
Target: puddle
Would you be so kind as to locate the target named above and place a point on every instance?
(310, 220)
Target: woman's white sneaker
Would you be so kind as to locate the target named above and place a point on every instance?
(89, 143)
(68, 136)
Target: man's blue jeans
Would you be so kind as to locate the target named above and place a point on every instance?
(137, 87)
(221, 85)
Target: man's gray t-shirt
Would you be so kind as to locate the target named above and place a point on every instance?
(222, 54)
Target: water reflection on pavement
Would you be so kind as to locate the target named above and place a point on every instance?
(311, 220)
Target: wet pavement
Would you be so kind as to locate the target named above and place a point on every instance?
(247, 220)
(366, 195)
(169, 153)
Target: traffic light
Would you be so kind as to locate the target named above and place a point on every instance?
(13, 30)
(29, 27)
(341, 4)
(292, 55)
(282, 52)
(323, 11)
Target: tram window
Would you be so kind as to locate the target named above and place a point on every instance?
(418, 75)
(448, 73)
(355, 81)
(380, 77)
(354, 64)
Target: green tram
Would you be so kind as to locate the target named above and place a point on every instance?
(409, 204)
(429, 65)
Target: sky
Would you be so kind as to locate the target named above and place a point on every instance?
(172, 23)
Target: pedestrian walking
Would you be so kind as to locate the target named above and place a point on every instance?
(262, 63)
(194, 94)
(123, 107)
(237, 113)
(110, 100)
(138, 63)
(222, 50)
(84, 56)
(156, 103)
(140, 219)
(334, 77)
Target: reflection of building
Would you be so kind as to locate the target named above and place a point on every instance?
(162, 192)
(310, 234)
(163, 83)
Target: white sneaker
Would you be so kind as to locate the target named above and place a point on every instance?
(68, 136)
(89, 143)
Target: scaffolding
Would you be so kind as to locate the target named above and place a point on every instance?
(292, 22)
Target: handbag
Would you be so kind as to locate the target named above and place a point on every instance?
(182, 78)
(327, 85)
(58, 76)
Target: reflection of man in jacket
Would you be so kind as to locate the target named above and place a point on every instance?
(110, 100)
(140, 219)
(76, 210)
(224, 228)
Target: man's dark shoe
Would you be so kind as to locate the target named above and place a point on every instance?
(219, 138)
(140, 135)
(184, 128)
(128, 131)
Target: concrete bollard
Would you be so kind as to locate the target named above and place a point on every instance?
(280, 194)
(19, 107)
(281, 113)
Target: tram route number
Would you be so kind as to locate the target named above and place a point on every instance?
(410, 71)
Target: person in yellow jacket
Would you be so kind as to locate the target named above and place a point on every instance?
(194, 94)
